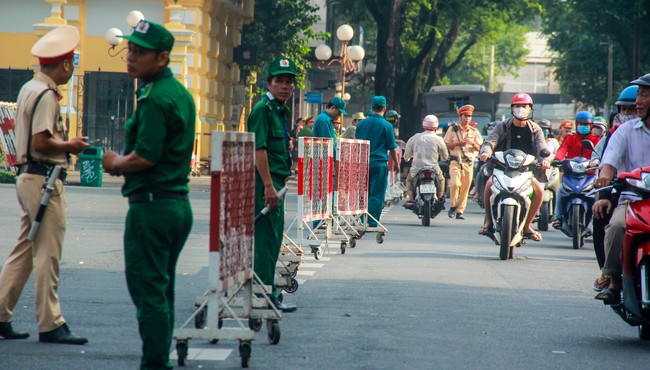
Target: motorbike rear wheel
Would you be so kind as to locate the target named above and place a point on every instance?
(507, 231)
(576, 230)
(644, 331)
(542, 223)
(426, 212)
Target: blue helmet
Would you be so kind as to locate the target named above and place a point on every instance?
(584, 117)
(628, 96)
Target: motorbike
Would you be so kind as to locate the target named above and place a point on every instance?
(634, 307)
(426, 203)
(551, 189)
(577, 195)
(511, 197)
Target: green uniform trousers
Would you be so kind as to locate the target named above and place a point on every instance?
(154, 236)
(377, 192)
(268, 234)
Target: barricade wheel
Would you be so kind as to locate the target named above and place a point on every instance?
(293, 287)
(380, 238)
(353, 242)
(318, 253)
(343, 245)
(181, 352)
(255, 324)
(199, 319)
(273, 331)
(245, 353)
(294, 272)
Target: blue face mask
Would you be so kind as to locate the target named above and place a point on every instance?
(545, 133)
(584, 130)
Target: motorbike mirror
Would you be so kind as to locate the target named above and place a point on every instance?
(545, 153)
(587, 144)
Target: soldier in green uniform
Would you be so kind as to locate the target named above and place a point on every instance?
(159, 139)
(273, 165)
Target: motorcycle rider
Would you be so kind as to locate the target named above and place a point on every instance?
(519, 132)
(426, 149)
(479, 177)
(627, 150)
(571, 148)
(551, 142)
(600, 126)
(602, 209)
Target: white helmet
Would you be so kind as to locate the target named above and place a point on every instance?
(430, 122)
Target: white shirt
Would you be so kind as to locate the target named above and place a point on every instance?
(629, 147)
(426, 148)
(552, 145)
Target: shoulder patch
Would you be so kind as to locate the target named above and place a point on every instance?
(145, 91)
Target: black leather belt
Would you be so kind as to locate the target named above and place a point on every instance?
(40, 168)
(455, 158)
(150, 196)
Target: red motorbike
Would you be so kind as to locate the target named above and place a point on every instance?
(634, 307)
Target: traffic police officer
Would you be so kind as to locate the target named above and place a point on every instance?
(381, 135)
(463, 142)
(159, 139)
(268, 121)
(41, 143)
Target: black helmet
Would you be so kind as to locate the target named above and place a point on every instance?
(544, 124)
(642, 81)
(391, 116)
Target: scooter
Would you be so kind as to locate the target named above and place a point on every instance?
(512, 189)
(551, 189)
(426, 204)
(634, 307)
(577, 195)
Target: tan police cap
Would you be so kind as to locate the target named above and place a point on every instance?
(56, 45)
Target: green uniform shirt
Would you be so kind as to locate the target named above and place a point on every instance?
(381, 135)
(161, 131)
(268, 121)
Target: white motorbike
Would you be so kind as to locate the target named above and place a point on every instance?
(551, 189)
(512, 191)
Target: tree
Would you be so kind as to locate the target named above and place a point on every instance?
(579, 32)
(419, 42)
(282, 28)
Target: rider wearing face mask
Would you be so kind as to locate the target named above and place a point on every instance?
(571, 148)
(519, 132)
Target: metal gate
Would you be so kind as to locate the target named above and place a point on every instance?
(108, 99)
(11, 80)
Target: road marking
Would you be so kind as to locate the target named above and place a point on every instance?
(311, 265)
(305, 273)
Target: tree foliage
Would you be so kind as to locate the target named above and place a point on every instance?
(579, 32)
(282, 28)
(421, 43)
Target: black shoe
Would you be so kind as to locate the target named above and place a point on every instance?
(459, 216)
(452, 212)
(283, 307)
(7, 332)
(61, 335)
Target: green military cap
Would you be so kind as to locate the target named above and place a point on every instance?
(281, 66)
(379, 101)
(151, 35)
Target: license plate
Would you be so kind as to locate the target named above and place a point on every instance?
(427, 188)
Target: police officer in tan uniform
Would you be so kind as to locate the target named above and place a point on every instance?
(463, 142)
(41, 143)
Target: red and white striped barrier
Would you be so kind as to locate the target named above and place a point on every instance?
(352, 163)
(8, 135)
(232, 209)
(315, 169)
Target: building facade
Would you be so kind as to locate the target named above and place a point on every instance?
(99, 98)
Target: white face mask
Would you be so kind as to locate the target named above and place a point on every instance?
(521, 112)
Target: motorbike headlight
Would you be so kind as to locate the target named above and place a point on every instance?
(566, 187)
(589, 187)
(497, 184)
(577, 167)
(514, 161)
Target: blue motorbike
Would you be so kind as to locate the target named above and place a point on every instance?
(577, 195)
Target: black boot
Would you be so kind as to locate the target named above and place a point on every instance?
(452, 212)
(282, 306)
(7, 332)
(61, 335)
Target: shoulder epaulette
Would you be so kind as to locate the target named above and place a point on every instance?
(146, 90)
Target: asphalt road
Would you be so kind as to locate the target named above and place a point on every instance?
(432, 297)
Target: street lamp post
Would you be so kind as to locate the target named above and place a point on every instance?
(349, 58)
(114, 35)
